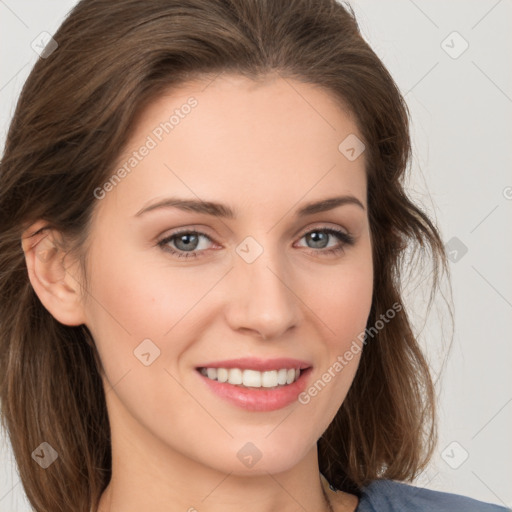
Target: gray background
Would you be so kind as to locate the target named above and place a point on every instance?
(461, 106)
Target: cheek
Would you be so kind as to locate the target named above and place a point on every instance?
(135, 310)
(145, 315)
(139, 298)
(343, 302)
(343, 306)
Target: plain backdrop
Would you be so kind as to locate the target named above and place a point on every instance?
(449, 59)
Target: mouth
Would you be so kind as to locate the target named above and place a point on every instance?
(254, 390)
(249, 378)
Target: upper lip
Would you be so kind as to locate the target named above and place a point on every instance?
(262, 365)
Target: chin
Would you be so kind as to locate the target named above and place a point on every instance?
(267, 453)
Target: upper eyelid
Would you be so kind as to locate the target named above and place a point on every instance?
(304, 231)
(301, 233)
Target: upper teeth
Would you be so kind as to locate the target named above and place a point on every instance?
(252, 378)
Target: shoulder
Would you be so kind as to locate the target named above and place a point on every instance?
(392, 496)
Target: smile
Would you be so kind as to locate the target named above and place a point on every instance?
(252, 378)
(253, 390)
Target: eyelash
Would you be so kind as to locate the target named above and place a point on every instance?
(345, 239)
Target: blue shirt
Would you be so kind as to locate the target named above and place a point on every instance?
(392, 496)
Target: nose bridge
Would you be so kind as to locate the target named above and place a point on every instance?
(262, 299)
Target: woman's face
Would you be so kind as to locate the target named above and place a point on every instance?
(267, 282)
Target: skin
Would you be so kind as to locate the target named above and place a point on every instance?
(265, 149)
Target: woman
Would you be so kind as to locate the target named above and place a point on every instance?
(203, 226)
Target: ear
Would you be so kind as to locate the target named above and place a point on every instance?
(51, 274)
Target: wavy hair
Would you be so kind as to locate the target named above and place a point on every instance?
(71, 122)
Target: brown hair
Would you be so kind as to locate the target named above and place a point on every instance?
(72, 120)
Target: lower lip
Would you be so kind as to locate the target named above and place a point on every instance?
(259, 399)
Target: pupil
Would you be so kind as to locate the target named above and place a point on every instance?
(317, 237)
(188, 240)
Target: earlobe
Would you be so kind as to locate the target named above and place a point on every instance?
(51, 276)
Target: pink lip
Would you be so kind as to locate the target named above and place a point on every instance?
(258, 399)
(262, 365)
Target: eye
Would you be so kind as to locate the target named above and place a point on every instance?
(319, 237)
(187, 243)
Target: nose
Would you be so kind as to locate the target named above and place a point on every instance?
(262, 300)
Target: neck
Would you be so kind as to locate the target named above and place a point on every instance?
(153, 481)
(317, 497)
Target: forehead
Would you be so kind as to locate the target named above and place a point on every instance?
(232, 137)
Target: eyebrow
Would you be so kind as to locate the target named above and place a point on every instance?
(224, 211)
